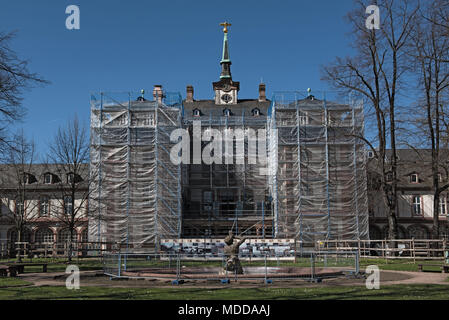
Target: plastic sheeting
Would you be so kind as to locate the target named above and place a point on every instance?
(135, 190)
(317, 169)
(312, 188)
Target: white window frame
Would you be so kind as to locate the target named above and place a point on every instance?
(417, 205)
(411, 178)
(45, 178)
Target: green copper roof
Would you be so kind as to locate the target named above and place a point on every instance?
(225, 56)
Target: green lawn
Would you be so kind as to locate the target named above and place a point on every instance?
(59, 264)
(394, 292)
(12, 282)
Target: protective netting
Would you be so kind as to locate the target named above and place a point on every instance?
(297, 172)
(135, 190)
(317, 168)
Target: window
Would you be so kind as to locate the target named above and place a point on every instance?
(303, 118)
(47, 178)
(44, 206)
(44, 235)
(370, 154)
(64, 236)
(70, 178)
(414, 178)
(389, 177)
(255, 112)
(19, 208)
(68, 205)
(416, 205)
(197, 113)
(26, 178)
(227, 112)
(443, 205)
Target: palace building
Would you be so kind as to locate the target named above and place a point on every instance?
(292, 167)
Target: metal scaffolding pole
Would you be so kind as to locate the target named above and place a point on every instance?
(298, 138)
(355, 175)
(326, 124)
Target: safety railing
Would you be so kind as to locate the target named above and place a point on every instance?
(178, 268)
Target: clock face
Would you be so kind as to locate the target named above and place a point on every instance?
(226, 98)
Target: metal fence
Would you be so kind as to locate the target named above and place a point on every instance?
(177, 268)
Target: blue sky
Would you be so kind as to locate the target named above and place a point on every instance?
(132, 45)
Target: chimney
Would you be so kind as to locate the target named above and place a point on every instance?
(262, 96)
(158, 93)
(189, 90)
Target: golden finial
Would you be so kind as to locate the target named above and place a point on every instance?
(225, 25)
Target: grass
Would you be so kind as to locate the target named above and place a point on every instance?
(13, 282)
(392, 292)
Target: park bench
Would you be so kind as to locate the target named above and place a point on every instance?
(444, 267)
(20, 267)
(3, 271)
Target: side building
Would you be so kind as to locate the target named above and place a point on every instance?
(415, 196)
(39, 195)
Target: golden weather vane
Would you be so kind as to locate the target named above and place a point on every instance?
(225, 25)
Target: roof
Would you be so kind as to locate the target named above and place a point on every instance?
(414, 161)
(209, 109)
(8, 178)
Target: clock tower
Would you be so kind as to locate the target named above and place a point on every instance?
(226, 89)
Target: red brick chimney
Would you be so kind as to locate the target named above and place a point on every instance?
(158, 93)
(262, 96)
(189, 97)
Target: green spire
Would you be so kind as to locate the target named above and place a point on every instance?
(225, 59)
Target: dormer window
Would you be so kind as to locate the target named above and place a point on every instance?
(28, 178)
(370, 154)
(414, 178)
(48, 178)
(255, 112)
(197, 113)
(227, 112)
(389, 177)
(73, 178)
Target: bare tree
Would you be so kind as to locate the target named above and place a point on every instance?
(69, 155)
(15, 78)
(19, 184)
(429, 55)
(376, 72)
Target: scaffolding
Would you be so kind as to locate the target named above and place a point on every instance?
(311, 187)
(135, 190)
(317, 168)
(228, 196)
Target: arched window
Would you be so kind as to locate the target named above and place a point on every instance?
(227, 112)
(255, 112)
(44, 235)
(64, 236)
(197, 113)
(418, 232)
(26, 235)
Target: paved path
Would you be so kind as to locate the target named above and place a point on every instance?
(96, 278)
